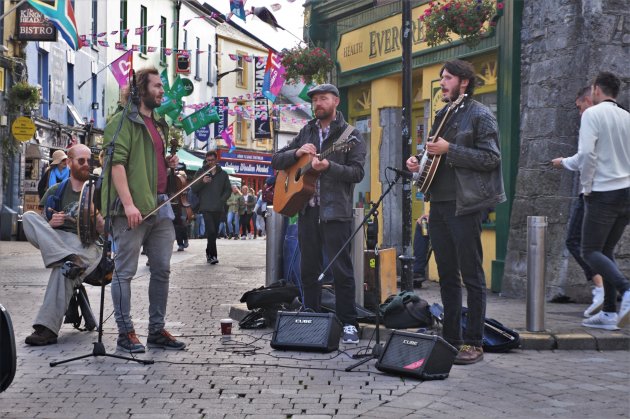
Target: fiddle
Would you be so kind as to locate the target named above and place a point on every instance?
(177, 182)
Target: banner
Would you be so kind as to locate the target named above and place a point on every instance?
(262, 125)
(274, 76)
(228, 137)
(237, 7)
(121, 68)
(221, 107)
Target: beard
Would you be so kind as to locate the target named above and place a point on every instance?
(81, 173)
(151, 103)
(323, 114)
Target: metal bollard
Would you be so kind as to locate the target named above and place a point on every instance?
(273, 256)
(536, 233)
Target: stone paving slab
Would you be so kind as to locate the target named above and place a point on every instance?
(246, 378)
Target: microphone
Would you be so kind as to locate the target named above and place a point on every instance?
(406, 174)
(133, 93)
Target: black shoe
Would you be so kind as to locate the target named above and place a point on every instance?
(41, 336)
(214, 260)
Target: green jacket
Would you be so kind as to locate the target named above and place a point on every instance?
(234, 202)
(135, 151)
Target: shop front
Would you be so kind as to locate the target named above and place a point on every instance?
(252, 167)
(368, 49)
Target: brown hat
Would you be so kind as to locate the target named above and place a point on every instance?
(58, 156)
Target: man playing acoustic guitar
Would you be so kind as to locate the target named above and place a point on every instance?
(325, 220)
(467, 182)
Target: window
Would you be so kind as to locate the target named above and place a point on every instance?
(210, 72)
(70, 81)
(197, 64)
(42, 80)
(185, 40)
(163, 40)
(241, 76)
(143, 25)
(123, 22)
(94, 22)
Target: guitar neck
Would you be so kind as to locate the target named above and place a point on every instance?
(322, 156)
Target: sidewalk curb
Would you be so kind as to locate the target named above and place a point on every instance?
(578, 339)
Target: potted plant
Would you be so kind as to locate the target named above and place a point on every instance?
(23, 95)
(309, 64)
(465, 18)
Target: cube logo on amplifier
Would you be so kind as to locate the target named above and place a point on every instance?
(306, 332)
(426, 357)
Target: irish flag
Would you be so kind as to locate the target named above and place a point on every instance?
(62, 16)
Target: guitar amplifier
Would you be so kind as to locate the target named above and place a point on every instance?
(299, 331)
(425, 357)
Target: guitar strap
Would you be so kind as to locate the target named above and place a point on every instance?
(344, 135)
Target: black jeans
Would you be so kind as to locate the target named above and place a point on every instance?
(211, 221)
(606, 216)
(245, 227)
(574, 236)
(313, 236)
(456, 242)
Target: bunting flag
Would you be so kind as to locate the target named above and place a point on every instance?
(62, 16)
(121, 68)
(228, 136)
(303, 94)
(199, 119)
(237, 8)
(165, 84)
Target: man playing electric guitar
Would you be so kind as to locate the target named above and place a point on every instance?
(467, 182)
(325, 222)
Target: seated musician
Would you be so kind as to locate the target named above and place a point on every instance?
(54, 232)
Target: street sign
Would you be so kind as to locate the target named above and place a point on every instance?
(23, 128)
(202, 134)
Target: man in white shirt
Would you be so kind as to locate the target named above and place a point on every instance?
(604, 163)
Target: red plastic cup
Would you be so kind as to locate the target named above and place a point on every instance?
(226, 327)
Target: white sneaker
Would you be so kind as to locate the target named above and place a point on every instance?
(350, 334)
(598, 302)
(624, 311)
(602, 320)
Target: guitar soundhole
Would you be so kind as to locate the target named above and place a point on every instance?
(298, 175)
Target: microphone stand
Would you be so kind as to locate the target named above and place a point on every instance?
(376, 349)
(99, 347)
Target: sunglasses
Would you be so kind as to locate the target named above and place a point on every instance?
(82, 160)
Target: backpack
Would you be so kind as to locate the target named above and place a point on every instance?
(53, 202)
(267, 194)
(42, 185)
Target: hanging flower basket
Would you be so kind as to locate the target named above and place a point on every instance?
(465, 18)
(23, 95)
(309, 64)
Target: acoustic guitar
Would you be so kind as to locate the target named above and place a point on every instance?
(295, 185)
(429, 162)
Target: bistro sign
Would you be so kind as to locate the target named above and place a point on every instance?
(33, 26)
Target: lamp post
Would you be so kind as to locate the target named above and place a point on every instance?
(225, 73)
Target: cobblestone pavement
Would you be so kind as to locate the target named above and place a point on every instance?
(246, 378)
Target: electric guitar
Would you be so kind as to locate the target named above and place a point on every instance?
(295, 185)
(429, 162)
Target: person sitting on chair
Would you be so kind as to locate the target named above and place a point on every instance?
(54, 232)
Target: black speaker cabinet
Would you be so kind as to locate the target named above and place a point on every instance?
(425, 357)
(298, 331)
(8, 355)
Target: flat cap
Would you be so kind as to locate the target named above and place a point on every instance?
(323, 88)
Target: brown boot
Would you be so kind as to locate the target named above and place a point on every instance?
(41, 336)
(468, 355)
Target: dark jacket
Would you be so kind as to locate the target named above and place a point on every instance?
(474, 153)
(214, 194)
(346, 169)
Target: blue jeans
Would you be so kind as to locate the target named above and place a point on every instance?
(157, 236)
(232, 217)
(456, 241)
(574, 236)
(606, 216)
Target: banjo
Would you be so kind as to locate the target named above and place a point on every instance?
(429, 162)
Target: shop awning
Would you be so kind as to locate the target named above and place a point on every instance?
(191, 161)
